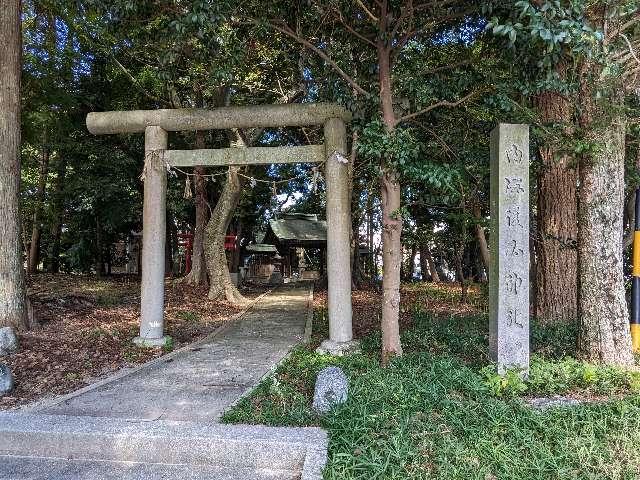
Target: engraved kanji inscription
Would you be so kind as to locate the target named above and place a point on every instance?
(514, 249)
(513, 283)
(514, 185)
(514, 317)
(515, 154)
(513, 216)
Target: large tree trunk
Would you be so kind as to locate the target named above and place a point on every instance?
(13, 303)
(604, 334)
(425, 252)
(557, 223)
(58, 214)
(220, 284)
(198, 273)
(34, 248)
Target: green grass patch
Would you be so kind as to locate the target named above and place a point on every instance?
(440, 413)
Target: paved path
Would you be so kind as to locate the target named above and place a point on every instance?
(200, 382)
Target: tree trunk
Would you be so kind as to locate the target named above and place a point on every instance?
(428, 258)
(220, 284)
(235, 259)
(391, 259)
(13, 302)
(604, 334)
(198, 273)
(371, 270)
(391, 216)
(459, 257)
(34, 248)
(58, 214)
(99, 261)
(425, 271)
(482, 239)
(411, 262)
(557, 223)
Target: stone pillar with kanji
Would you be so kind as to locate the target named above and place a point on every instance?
(509, 240)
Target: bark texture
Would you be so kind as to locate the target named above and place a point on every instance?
(557, 256)
(604, 334)
(220, 284)
(198, 273)
(391, 260)
(13, 303)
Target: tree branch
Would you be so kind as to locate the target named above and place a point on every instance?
(441, 103)
(290, 33)
(631, 50)
(367, 11)
(351, 30)
(133, 80)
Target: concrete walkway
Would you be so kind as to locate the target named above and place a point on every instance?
(160, 420)
(198, 383)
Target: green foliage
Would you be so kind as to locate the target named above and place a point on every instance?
(438, 412)
(169, 345)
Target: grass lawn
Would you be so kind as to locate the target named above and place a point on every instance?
(440, 412)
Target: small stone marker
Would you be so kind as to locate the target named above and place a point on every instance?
(8, 341)
(542, 403)
(332, 388)
(509, 272)
(6, 380)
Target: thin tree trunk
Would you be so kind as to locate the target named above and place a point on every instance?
(58, 214)
(370, 257)
(557, 223)
(482, 239)
(13, 302)
(411, 262)
(459, 256)
(99, 261)
(198, 273)
(235, 263)
(220, 284)
(34, 248)
(391, 260)
(604, 334)
(391, 217)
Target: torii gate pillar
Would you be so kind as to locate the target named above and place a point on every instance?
(338, 239)
(154, 227)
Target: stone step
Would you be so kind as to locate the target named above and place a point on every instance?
(38, 468)
(300, 451)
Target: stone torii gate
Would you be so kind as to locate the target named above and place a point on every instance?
(157, 123)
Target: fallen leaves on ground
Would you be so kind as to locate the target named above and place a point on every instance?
(87, 328)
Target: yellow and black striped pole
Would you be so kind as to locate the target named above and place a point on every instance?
(635, 285)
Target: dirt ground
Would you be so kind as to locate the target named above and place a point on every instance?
(441, 299)
(87, 327)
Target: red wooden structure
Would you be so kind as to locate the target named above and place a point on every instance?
(186, 240)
